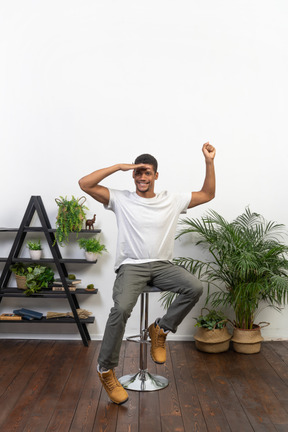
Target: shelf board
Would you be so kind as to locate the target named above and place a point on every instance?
(44, 320)
(44, 293)
(51, 230)
(52, 260)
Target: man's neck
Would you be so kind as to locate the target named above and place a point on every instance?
(148, 194)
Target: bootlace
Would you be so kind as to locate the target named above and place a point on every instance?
(111, 381)
(160, 340)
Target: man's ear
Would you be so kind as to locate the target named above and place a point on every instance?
(156, 176)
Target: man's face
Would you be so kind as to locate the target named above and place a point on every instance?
(144, 179)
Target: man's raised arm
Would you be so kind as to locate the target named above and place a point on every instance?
(207, 193)
(90, 183)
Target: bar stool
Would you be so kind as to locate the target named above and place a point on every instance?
(143, 380)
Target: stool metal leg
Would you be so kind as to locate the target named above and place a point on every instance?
(143, 380)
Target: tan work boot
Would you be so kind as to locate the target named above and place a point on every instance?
(114, 389)
(158, 337)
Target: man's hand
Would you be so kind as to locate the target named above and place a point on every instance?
(207, 192)
(209, 151)
(127, 167)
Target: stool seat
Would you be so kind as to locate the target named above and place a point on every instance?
(143, 380)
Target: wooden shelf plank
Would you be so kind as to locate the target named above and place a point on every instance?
(50, 230)
(51, 260)
(44, 320)
(45, 293)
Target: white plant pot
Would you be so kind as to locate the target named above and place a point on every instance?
(35, 254)
(90, 256)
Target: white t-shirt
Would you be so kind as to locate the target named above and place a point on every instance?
(146, 226)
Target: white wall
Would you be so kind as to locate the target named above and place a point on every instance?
(86, 84)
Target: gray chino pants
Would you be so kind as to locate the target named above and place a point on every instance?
(130, 281)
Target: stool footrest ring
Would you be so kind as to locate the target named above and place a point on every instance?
(139, 340)
(143, 381)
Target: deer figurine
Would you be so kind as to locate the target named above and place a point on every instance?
(90, 222)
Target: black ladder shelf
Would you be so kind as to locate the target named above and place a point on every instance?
(36, 205)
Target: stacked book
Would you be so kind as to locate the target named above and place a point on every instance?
(72, 284)
(28, 314)
(10, 317)
(19, 314)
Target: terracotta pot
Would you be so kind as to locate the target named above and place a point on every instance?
(212, 341)
(247, 341)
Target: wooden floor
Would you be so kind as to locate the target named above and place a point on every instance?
(53, 386)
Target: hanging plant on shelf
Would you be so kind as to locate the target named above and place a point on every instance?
(70, 217)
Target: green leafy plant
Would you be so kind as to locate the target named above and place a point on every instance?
(246, 267)
(92, 245)
(19, 269)
(90, 287)
(212, 320)
(38, 277)
(34, 245)
(71, 214)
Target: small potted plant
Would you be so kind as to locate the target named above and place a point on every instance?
(90, 288)
(20, 272)
(35, 249)
(92, 248)
(212, 335)
(70, 217)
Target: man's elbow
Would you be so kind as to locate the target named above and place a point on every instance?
(83, 184)
(210, 196)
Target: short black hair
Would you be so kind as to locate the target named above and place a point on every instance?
(147, 159)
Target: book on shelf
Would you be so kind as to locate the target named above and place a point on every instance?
(61, 288)
(69, 281)
(10, 316)
(28, 314)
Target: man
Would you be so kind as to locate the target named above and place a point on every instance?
(147, 223)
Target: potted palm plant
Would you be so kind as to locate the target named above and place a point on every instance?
(92, 248)
(70, 217)
(246, 268)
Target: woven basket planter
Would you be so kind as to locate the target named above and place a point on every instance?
(21, 282)
(247, 341)
(212, 341)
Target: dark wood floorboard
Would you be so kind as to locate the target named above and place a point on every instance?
(52, 386)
